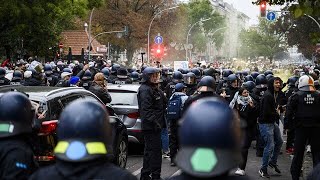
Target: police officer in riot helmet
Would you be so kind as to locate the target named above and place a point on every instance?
(231, 89)
(84, 144)
(16, 119)
(292, 88)
(267, 72)
(269, 76)
(223, 83)
(135, 77)
(106, 74)
(206, 88)
(261, 85)
(114, 70)
(254, 75)
(86, 80)
(151, 101)
(248, 78)
(16, 78)
(50, 79)
(165, 78)
(198, 143)
(122, 77)
(197, 72)
(190, 81)
(177, 77)
(3, 79)
(303, 115)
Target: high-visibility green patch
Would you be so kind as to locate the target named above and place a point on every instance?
(61, 147)
(96, 148)
(203, 160)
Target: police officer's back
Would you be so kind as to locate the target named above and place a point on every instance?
(16, 78)
(50, 79)
(84, 142)
(303, 115)
(206, 88)
(122, 77)
(177, 77)
(3, 79)
(207, 154)
(16, 154)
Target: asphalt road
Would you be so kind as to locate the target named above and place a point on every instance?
(135, 159)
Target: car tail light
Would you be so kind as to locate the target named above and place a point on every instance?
(48, 127)
(134, 115)
(45, 158)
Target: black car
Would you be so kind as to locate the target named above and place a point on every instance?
(125, 104)
(51, 101)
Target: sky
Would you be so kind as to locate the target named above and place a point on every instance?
(249, 9)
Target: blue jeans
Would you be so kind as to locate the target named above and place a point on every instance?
(273, 141)
(165, 139)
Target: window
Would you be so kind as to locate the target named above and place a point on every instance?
(68, 99)
(124, 98)
(55, 108)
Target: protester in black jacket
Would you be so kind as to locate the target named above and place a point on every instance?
(270, 106)
(99, 88)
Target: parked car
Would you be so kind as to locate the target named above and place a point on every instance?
(52, 101)
(125, 104)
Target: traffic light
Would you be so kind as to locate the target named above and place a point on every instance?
(263, 8)
(158, 51)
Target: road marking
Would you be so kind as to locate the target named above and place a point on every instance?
(176, 173)
(137, 172)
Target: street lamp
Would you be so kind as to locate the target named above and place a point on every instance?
(148, 57)
(202, 20)
(89, 39)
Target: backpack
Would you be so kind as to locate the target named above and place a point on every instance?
(174, 107)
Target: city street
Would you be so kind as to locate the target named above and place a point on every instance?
(135, 159)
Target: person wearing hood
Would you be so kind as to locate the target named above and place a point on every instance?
(270, 107)
(245, 107)
(99, 88)
(304, 117)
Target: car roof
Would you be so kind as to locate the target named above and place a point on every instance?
(42, 93)
(124, 87)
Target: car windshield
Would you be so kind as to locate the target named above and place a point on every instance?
(124, 98)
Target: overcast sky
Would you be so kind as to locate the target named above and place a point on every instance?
(249, 9)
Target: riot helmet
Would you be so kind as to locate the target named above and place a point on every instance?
(248, 78)
(84, 132)
(261, 81)
(122, 73)
(47, 69)
(134, 76)
(196, 72)
(151, 75)
(267, 72)
(17, 76)
(105, 72)
(87, 75)
(207, 83)
(306, 83)
(2, 72)
(292, 81)
(177, 76)
(249, 85)
(226, 73)
(254, 75)
(16, 114)
(220, 149)
(189, 78)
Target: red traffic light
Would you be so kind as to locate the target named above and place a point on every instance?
(158, 51)
(263, 8)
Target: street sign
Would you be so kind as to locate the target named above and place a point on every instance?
(271, 16)
(158, 39)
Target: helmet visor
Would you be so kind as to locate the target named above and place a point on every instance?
(189, 80)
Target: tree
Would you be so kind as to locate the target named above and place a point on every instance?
(261, 41)
(297, 7)
(34, 26)
(301, 32)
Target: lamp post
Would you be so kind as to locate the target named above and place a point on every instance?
(148, 56)
(202, 20)
(89, 39)
(313, 20)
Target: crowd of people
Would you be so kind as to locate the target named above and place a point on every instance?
(212, 115)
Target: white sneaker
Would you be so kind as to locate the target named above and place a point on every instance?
(240, 172)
